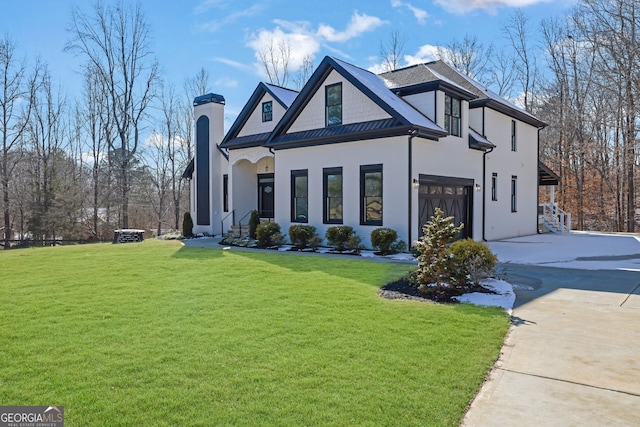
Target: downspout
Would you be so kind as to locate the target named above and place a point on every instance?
(484, 191)
(412, 134)
(538, 230)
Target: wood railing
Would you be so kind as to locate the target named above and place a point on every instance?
(554, 218)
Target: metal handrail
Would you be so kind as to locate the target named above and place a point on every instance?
(242, 219)
(233, 220)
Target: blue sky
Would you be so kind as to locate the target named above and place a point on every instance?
(223, 35)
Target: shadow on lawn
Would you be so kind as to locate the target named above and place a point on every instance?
(343, 266)
(197, 253)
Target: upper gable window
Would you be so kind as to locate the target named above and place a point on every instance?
(267, 111)
(334, 104)
(452, 115)
(514, 145)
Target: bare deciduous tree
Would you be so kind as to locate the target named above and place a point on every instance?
(16, 93)
(275, 58)
(392, 50)
(469, 56)
(115, 41)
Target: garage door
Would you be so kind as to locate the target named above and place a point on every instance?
(452, 195)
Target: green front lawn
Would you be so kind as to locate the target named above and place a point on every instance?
(157, 334)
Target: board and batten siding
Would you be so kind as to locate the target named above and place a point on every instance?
(254, 124)
(356, 107)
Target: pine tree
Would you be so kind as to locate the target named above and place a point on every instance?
(435, 263)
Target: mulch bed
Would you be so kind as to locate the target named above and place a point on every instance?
(402, 289)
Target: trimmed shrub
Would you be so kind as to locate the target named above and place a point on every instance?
(342, 237)
(301, 235)
(187, 225)
(268, 234)
(254, 221)
(382, 239)
(474, 261)
(436, 269)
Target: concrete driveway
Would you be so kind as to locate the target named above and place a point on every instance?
(572, 356)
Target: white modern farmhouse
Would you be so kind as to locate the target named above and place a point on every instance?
(367, 150)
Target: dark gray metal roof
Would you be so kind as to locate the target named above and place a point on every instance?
(188, 171)
(246, 141)
(479, 142)
(210, 97)
(336, 134)
(546, 176)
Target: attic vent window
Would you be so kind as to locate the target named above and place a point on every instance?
(267, 111)
(334, 104)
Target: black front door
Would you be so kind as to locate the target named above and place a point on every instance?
(452, 195)
(265, 195)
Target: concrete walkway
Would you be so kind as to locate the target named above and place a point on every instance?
(572, 356)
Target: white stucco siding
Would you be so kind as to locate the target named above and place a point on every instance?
(356, 107)
(217, 164)
(475, 119)
(425, 103)
(390, 152)
(255, 125)
(449, 157)
(523, 164)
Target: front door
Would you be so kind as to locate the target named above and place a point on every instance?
(265, 195)
(452, 195)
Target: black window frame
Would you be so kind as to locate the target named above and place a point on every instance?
(514, 142)
(326, 203)
(364, 171)
(332, 107)
(494, 186)
(267, 116)
(514, 193)
(449, 117)
(298, 173)
(225, 192)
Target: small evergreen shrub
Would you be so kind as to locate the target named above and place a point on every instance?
(436, 269)
(301, 235)
(342, 237)
(254, 221)
(187, 225)
(382, 239)
(474, 261)
(268, 234)
(315, 242)
(398, 246)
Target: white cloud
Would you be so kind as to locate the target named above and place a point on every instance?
(213, 26)
(232, 63)
(466, 6)
(359, 24)
(421, 15)
(302, 43)
(426, 53)
(305, 41)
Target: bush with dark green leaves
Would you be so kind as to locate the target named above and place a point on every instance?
(343, 237)
(268, 234)
(254, 221)
(302, 236)
(473, 261)
(187, 225)
(383, 239)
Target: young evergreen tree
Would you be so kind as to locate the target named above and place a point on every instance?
(435, 263)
